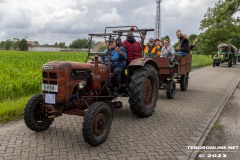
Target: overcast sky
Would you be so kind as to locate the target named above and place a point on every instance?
(50, 21)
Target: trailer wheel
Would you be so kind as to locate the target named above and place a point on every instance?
(143, 91)
(171, 89)
(35, 117)
(184, 82)
(97, 123)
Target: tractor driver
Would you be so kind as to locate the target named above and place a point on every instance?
(115, 57)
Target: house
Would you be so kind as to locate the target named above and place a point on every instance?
(98, 45)
(32, 43)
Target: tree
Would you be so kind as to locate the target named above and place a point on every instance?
(23, 45)
(16, 43)
(8, 44)
(79, 43)
(55, 44)
(192, 37)
(62, 45)
(2, 44)
(220, 26)
(36, 42)
(166, 37)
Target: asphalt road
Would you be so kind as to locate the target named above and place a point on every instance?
(175, 124)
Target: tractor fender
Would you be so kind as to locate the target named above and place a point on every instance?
(141, 62)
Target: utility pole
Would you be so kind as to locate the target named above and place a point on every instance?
(158, 20)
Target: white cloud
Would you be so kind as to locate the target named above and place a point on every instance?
(112, 18)
(50, 21)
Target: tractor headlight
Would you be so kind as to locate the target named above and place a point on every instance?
(82, 85)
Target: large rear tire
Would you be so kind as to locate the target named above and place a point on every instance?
(35, 117)
(143, 91)
(97, 123)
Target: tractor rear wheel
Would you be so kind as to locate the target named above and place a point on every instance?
(143, 91)
(171, 89)
(35, 117)
(97, 123)
(184, 82)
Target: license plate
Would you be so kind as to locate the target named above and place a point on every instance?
(50, 98)
(50, 87)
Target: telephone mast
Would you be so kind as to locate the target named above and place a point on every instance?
(158, 20)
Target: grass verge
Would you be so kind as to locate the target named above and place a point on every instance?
(12, 109)
(201, 61)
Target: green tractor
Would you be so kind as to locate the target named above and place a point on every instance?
(226, 53)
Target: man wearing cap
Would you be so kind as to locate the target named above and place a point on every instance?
(151, 50)
(132, 47)
(116, 58)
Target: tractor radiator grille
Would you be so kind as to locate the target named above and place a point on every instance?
(49, 75)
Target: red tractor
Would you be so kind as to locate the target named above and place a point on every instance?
(85, 89)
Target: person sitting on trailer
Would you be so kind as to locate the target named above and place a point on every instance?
(150, 49)
(158, 44)
(167, 49)
(184, 48)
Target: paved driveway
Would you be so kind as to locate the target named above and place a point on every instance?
(174, 125)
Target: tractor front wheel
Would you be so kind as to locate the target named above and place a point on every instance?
(97, 123)
(143, 91)
(35, 117)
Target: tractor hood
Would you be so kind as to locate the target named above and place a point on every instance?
(65, 65)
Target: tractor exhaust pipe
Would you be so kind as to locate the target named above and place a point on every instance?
(96, 65)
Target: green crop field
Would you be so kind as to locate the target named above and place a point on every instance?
(20, 77)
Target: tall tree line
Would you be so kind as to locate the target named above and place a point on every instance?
(221, 24)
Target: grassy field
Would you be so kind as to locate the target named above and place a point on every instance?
(20, 77)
